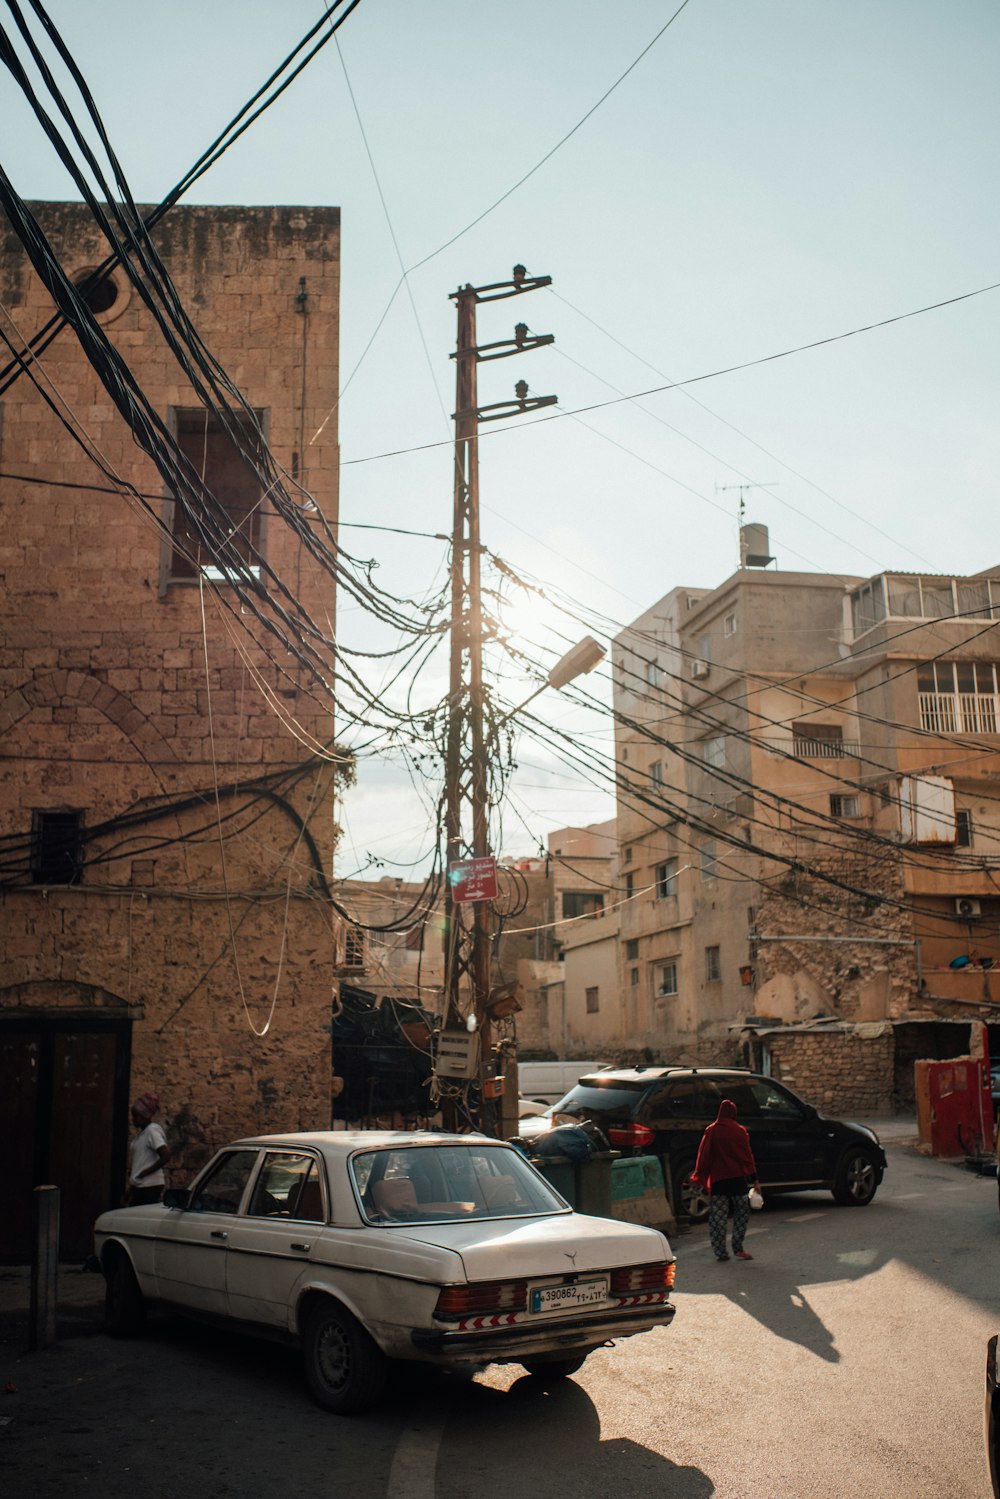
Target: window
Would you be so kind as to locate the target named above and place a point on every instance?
(632, 950)
(236, 536)
(593, 1000)
(959, 697)
(656, 772)
(963, 829)
(818, 741)
(868, 606)
(222, 1192)
(666, 979)
(627, 854)
(652, 674)
(354, 948)
(633, 976)
(844, 806)
(56, 848)
(708, 857)
(714, 751)
(729, 625)
(582, 903)
(413, 941)
(288, 1187)
(666, 879)
(629, 884)
(713, 965)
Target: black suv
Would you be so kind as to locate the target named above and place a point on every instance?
(664, 1110)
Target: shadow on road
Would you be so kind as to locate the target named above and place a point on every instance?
(810, 1242)
(543, 1439)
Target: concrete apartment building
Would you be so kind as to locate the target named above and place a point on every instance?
(166, 803)
(812, 830)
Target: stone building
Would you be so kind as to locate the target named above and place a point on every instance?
(166, 803)
(811, 830)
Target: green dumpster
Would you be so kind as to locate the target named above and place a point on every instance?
(560, 1173)
(593, 1184)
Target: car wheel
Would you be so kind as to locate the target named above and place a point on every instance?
(856, 1181)
(554, 1368)
(690, 1202)
(345, 1370)
(124, 1303)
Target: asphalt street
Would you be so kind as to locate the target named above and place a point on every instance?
(844, 1362)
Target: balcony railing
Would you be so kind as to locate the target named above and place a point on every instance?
(959, 713)
(825, 749)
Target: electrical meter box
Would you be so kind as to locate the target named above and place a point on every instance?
(457, 1054)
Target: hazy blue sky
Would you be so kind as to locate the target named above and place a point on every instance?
(772, 172)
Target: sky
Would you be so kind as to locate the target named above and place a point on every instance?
(764, 176)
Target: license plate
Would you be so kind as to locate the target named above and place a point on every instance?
(560, 1298)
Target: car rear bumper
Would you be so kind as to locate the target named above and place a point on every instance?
(510, 1344)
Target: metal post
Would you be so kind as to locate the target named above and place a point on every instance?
(45, 1268)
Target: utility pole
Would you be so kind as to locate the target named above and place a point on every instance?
(469, 888)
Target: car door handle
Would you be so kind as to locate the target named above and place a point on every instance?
(303, 1248)
(219, 1233)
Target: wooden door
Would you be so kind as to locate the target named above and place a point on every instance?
(20, 1061)
(66, 1118)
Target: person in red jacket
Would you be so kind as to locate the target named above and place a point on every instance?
(726, 1169)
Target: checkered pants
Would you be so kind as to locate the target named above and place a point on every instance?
(718, 1215)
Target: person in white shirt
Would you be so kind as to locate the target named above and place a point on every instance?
(147, 1154)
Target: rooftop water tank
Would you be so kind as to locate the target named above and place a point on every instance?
(754, 546)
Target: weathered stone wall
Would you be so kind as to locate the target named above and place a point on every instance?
(841, 954)
(180, 728)
(840, 1072)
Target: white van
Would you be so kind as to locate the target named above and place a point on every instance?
(547, 1082)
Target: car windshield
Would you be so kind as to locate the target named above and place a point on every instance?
(449, 1183)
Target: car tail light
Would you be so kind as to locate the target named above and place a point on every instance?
(482, 1300)
(628, 1135)
(642, 1280)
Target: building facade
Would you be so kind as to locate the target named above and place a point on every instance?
(810, 825)
(166, 804)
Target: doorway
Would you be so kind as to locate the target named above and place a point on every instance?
(64, 1122)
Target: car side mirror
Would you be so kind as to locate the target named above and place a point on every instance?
(175, 1197)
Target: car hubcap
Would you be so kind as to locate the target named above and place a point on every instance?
(859, 1177)
(694, 1201)
(334, 1356)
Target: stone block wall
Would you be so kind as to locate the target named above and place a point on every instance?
(192, 741)
(839, 1072)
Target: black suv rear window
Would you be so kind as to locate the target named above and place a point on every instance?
(600, 1098)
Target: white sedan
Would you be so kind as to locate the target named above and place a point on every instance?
(368, 1246)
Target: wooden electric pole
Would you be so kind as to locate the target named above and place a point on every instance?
(468, 902)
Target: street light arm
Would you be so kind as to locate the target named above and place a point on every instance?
(583, 657)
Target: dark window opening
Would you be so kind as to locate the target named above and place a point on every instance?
(593, 1001)
(98, 295)
(235, 536)
(582, 903)
(963, 829)
(632, 950)
(56, 848)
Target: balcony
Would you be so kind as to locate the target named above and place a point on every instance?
(825, 749)
(958, 712)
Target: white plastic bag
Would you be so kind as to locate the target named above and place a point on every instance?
(756, 1200)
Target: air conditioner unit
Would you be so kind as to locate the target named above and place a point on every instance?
(699, 669)
(966, 906)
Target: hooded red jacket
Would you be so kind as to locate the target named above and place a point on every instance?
(724, 1151)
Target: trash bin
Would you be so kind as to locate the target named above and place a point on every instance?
(560, 1173)
(593, 1184)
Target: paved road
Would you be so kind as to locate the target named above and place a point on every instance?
(844, 1362)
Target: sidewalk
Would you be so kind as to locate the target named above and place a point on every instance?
(893, 1129)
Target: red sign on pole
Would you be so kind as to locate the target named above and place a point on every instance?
(473, 879)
